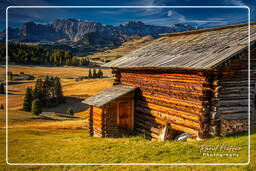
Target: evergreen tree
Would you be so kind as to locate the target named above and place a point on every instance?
(2, 89)
(70, 111)
(38, 90)
(36, 107)
(58, 91)
(46, 91)
(26, 54)
(100, 73)
(2, 106)
(90, 74)
(94, 75)
(28, 100)
(52, 91)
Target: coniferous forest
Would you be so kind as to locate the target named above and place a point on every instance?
(28, 54)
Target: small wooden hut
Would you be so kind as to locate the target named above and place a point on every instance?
(194, 82)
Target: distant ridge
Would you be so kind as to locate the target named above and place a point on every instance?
(87, 37)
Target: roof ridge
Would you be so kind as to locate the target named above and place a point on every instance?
(206, 29)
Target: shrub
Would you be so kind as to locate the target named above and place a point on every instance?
(70, 111)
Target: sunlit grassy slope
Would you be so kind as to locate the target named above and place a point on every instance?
(35, 141)
(124, 49)
(76, 146)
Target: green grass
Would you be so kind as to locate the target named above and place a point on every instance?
(76, 146)
(30, 145)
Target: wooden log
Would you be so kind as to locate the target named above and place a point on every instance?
(234, 116)
(166, 89)
(185, 129)
(172, 118)
(179, 101)
(153, 121)
(191, 78)
(170, 111)
(147, 127)
(233, 102)
(200, 111)
(232, 108)
(166, 84)
(146, 132)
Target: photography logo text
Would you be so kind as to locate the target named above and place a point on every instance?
(220, 150)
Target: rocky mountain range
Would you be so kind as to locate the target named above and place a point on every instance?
(82, 36)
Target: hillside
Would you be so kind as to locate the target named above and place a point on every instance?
(125, 48)
(76, 146)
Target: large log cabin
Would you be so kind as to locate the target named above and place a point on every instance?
(194, 82)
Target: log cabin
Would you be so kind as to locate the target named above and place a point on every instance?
(197, 82)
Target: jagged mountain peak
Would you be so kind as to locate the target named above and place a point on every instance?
(72, 29)
(183, 27)
(76, 33)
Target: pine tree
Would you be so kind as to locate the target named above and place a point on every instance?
(2, 89)
(90, 74)
(38, 90)
(94, 75)
(36, 107)
(70, 111)
(28, 100)
(46, 91)
(100, 74)
(58, 91)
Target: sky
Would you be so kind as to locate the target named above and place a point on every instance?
(210, 17)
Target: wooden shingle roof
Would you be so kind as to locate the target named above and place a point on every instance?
(109, 95)
(199, 49)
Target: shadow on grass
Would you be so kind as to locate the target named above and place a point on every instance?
(71, 102)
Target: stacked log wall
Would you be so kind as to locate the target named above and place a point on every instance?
(232, 95)
(97, 121)
(103, 120)
(177, 98)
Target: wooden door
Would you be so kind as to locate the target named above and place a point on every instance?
(124, 117)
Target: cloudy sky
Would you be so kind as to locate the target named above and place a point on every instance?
(207, 17)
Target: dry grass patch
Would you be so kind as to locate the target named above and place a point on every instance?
(62, 72)
(85, 88)
(69, 124)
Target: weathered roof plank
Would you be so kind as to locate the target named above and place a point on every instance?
(200, 49)
(108, 95)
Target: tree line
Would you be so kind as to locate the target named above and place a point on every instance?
(35, 54)
(95, 74)
(47, 92)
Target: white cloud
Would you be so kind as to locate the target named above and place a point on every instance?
(237, 2)
(169, 13)
(233, 2)
(173, 15)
